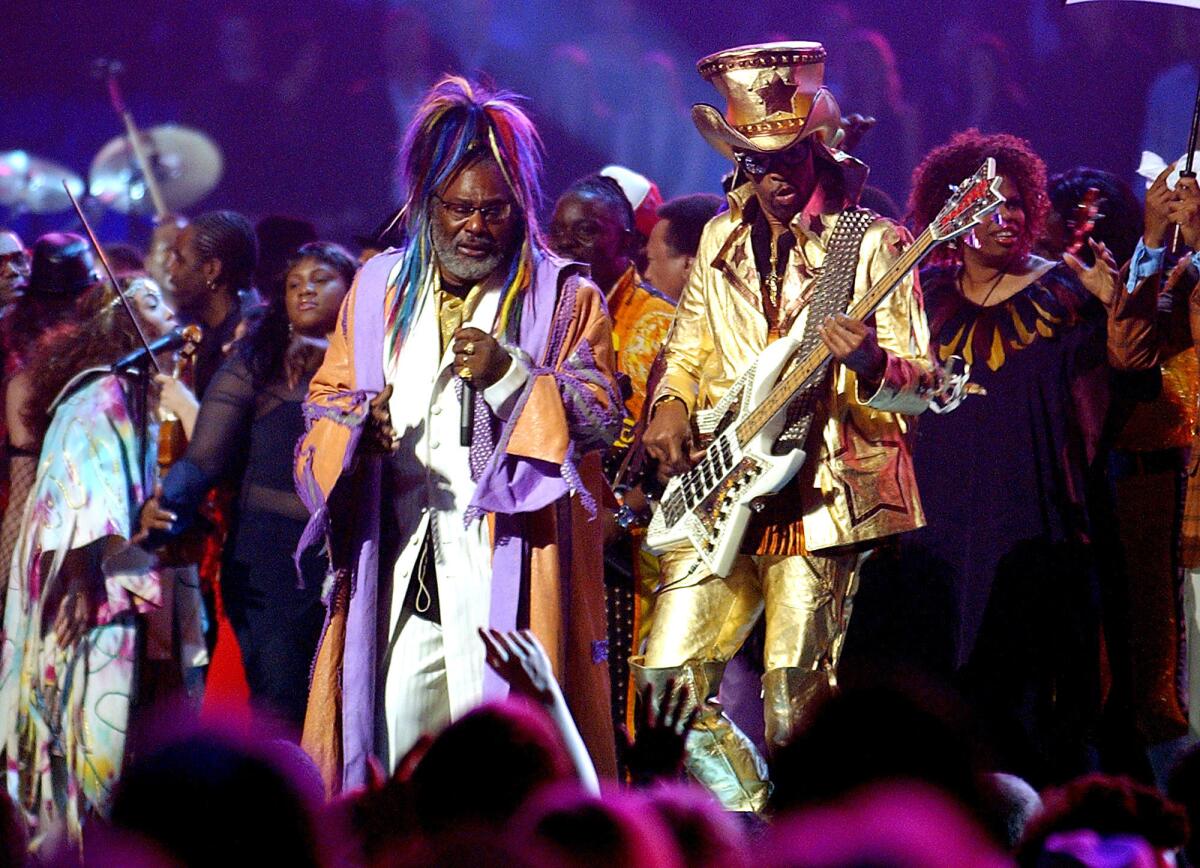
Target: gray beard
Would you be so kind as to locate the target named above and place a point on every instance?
(463, 268)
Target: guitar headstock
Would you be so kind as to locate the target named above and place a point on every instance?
(969, 202)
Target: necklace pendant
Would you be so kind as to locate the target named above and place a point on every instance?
(773, 287)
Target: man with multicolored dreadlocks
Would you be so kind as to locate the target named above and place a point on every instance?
(472, 308)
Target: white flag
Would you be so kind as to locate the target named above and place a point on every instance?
(1152, 165)
(1191, 4)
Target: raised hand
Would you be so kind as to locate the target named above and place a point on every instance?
(382, 812)
(1158, 201)
(656, 751)
(855, 126)
(519, 658)
(1102, 279)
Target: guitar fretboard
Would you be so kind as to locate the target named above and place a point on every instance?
(780, 396)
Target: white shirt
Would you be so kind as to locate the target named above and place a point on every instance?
(434, 487)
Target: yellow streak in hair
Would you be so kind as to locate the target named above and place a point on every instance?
(522, 276)
(495, 147)
(519, 281)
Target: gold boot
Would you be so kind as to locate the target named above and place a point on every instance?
(790, 696)
(719, 755)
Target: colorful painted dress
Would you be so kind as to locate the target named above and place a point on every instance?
(65, 709)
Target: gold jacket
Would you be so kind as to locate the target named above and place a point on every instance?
(860, 484)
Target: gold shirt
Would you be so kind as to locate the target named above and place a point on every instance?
(860, 485)
(453, 311)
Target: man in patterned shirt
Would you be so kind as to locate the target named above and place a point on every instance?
(594, 223)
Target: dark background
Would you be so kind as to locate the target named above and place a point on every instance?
(306, 99)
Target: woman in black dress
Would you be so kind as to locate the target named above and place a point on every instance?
(1006, 479)
(248, 425)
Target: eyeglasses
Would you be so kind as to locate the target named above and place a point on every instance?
(758, 164)
(461, 212)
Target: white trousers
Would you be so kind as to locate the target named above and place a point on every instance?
(416, 698)
(1191, 613)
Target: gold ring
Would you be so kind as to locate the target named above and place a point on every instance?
(469, 348)
(465, 372)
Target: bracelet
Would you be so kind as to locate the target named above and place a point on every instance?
(663, 400)
(628, 518)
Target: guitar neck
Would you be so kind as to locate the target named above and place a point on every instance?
(782, 394)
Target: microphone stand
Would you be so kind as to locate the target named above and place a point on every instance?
(141, 394)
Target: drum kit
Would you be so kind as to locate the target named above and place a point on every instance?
(144, 172)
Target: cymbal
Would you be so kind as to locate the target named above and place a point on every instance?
(33, 184)
(187, 165)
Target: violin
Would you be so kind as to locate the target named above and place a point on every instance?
(172, 441)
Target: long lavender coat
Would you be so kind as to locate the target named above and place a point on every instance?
(534, 489)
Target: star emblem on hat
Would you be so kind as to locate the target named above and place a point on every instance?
(776, 94)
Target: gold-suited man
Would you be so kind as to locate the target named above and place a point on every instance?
(757, 276)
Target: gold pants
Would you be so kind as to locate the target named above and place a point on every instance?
(700, 621)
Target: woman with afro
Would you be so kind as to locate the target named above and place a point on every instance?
(1005, 477)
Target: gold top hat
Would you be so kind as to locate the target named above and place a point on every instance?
(774, 97)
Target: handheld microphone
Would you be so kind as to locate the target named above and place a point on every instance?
(466, 418)
(140, 358)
